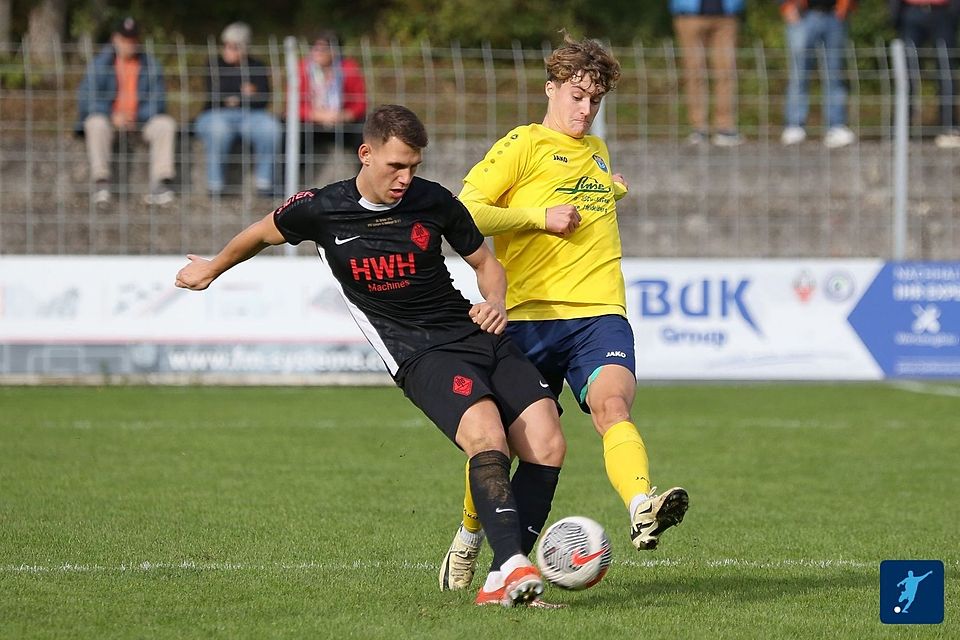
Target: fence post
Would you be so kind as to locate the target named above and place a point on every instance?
(292, 165)
(901, 84)
(490, 77)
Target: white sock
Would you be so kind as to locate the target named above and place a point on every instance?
(636, 501)
(494, 581)
(514, 562)
(470, 538)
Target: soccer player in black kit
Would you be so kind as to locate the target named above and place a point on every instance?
(379, 234)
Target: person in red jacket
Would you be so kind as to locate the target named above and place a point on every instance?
(333, 98)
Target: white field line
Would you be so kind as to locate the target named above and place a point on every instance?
(928, 388)
(363, 565)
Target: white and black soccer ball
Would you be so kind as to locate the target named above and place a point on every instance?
(574, 553)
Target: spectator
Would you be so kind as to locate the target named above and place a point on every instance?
(123, 90)
(934, 22)
(333, 97)
(811, 23)
(709, 28)
(239, 93)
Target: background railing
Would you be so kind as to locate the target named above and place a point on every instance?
(756, 200)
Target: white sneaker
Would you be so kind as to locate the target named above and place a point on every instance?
(697, 137)
(101, 192)
(948, 140)
(727, 139)
(160, 194)
(838, 137)
(460, 563)
(793, 135)
(656, 515)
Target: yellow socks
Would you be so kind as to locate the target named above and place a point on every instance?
(471, 522)
(626, 460)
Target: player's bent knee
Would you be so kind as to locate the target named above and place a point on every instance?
(475, 438)
(536, 435)
(480, 429)
(608, 412)
(555, 451)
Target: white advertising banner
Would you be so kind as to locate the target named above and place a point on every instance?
(283, 316)
(124, 299)
(748, 319)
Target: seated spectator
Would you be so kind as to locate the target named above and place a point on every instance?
(123, 90)
(333, 98)
(238, 92)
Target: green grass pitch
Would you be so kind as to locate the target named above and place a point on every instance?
(323, 513)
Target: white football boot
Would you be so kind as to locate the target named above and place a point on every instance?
(656, 515)
(460, 563)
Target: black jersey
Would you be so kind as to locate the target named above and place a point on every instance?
(388, 262)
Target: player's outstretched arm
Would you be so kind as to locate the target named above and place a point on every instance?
(491, 314)
(493, 220)
(200, 272)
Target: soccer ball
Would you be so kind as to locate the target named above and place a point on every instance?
(574, 553)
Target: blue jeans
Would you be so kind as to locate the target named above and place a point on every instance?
(220, 128)
(803, 37)
(933, 27)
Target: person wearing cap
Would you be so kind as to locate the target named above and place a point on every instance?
(238, 90)
(123, 90)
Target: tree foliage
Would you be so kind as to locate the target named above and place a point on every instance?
(499, 22)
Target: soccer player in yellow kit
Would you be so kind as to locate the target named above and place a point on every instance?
(546, 194)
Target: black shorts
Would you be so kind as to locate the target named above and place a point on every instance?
(447, 380)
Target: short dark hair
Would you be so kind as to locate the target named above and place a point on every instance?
(326, 35)
(575, 59)
(395, 121)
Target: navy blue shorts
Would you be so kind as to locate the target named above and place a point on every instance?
(574, 350)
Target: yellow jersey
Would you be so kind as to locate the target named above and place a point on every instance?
(550, 277)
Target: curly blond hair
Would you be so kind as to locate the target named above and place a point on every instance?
(576, 59)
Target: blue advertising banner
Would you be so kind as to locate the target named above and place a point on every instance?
(909, 319)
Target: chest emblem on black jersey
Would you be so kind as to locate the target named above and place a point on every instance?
(420, 236)
(600, 163)
(462, 385)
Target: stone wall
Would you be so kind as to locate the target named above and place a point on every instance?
(756, 200)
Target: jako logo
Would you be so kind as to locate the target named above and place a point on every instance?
(559, 157)
(616, 354)
(699, 299)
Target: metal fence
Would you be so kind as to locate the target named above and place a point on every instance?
(759, 199)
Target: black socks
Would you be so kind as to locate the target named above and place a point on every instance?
(496, 505)
(533, 488)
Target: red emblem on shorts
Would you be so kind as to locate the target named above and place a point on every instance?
(420, 236)
(462, 385)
